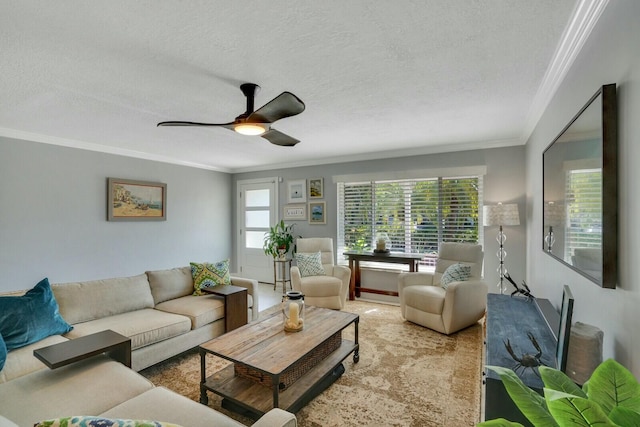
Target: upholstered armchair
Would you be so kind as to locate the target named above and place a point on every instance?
(424, 301)
(328, 288)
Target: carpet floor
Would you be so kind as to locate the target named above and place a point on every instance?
(407, 376)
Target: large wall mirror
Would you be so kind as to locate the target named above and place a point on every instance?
(580, 191)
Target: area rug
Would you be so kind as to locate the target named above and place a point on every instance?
(407, 376)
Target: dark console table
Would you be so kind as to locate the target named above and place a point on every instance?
(512, 318)
(392, 257)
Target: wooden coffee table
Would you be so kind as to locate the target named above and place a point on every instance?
(277, 369)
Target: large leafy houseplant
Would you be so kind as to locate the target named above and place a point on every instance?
(278, 240)
(610, 398)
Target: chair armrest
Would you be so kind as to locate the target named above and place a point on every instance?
(252, 289)
(276, 417)
(465, 302)
(342, 272)
(296, 282)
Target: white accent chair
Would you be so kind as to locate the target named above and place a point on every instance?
(329, 291)
(425, 302)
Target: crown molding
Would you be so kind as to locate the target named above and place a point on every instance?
(583, 19)
(72, 143)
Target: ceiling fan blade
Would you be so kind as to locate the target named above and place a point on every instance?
(284, 105)
(279, 138)
(175, 123)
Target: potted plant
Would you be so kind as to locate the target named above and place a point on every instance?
(278, 240)
(610, 398)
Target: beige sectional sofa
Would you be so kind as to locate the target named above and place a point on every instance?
(161, 316)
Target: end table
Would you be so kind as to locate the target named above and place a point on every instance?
(285, 274)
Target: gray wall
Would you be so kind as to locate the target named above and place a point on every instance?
(504, 182)
(53, 216)
(611, 55)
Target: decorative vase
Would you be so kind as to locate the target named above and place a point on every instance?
(293, 311)
(382, 243)
(282, 254)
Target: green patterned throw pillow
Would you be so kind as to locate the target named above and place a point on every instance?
(87, 421)
(455, 273)
(208, 275)
(310, 264)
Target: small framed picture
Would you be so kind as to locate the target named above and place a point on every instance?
(297, 191)
(316, 188)
(295, 212)
(317, 214)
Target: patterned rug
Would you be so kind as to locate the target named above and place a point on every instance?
(407, 376)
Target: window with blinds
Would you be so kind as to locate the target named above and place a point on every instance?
(583, 188)
(416, 214)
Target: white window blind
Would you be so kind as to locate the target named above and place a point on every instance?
(416, 214)
(584, 209)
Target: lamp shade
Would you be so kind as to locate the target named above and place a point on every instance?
(501, 214)
(553, 213)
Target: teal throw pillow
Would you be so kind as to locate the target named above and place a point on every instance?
(3, 352)
(455, 273)
(88, 421)
(310, 264)
(31, 317)
(208, 275)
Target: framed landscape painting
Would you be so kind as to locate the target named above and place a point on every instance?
(129, 200)
(317, 213)
(316, 188)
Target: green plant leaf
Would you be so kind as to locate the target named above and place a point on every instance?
(571, 411)
(499, 422)
(612, 385)
(530, 403)
(558, 380)
(625, 417)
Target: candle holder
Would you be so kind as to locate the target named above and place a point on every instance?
(293, 311)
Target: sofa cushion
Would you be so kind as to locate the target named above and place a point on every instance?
(455, 273)
(86, 420)
(21, 361)
(160, 403)
(31, 317)
(144, 327)
(201, 310)
(310, 264)
(207, 275)
(170, 284)
(90, 387)
(84, 301)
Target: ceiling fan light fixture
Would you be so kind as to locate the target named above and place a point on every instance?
(250, 128)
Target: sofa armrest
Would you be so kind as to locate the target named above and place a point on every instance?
(252, 289)
(276, 418)
(4, 422)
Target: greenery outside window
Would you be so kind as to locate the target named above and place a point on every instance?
(416, 214)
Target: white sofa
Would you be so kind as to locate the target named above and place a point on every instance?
(161, 316)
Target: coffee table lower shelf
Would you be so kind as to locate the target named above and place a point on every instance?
(256, 399)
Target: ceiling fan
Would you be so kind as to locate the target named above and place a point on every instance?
(259, 122)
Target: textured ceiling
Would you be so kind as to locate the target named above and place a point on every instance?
(403, 76)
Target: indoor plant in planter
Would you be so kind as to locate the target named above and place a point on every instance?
(610, 398)
(278, 240)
